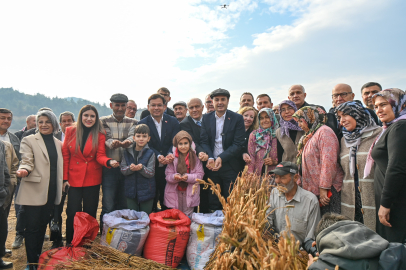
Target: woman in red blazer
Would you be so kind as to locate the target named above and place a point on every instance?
(84, 154)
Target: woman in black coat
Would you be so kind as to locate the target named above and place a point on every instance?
(250, 116)
(388, 152)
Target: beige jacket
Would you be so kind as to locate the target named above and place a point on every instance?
(12, 164)
(34, 158)
(366, 186)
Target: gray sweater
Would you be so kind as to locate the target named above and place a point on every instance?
(349, 244)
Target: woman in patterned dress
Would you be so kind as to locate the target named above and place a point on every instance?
(317, 158)
(262, 144)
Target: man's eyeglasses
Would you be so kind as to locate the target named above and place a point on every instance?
(132, 109)
(343, 95)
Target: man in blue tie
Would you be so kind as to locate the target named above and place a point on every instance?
(221, 137)
(163, 128)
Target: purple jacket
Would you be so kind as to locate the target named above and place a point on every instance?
(171, 192)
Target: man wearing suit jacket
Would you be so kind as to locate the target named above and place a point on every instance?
(163, 91)
(222, 137)
(163, 128)
(192, 124)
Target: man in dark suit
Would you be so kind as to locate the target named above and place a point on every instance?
(31, 123)
(163, 91)
(222, 136)
(163, 128)
(192, 124)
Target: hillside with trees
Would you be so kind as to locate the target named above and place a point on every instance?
(23, 105)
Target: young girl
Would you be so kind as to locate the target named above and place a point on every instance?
(181, 175)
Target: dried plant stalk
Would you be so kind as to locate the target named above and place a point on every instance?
(103, 257)
(244, 243)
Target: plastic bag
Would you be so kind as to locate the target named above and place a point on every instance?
(168, 237)
(203, 238)
(86, 228)
(125, 230)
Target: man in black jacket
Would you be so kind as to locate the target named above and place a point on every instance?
(192, 124)
(31, 123)
(163, 128)
(222, 136)
(163, 91)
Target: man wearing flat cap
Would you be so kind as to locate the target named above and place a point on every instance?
(305, 214)
(222, 137)
(118, 136)
(180, 110)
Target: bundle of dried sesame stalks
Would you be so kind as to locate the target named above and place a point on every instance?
(103, 257)
(242, 243)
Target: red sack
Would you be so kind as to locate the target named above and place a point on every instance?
(168, 237)
(86, 228)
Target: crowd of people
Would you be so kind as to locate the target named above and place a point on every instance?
(348, 160)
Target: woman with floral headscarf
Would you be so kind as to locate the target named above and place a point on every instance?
(318, 151)
(289, 133)
(262, 144)
(388, 154)
(359, 132)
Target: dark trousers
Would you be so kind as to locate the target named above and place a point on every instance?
(37, 219)
(204, 194)
(19, 214)
(80, 199)
(224, 177)
(3, 229)
(160, 180)
(113, 192)
(335, 203)
(58, 215)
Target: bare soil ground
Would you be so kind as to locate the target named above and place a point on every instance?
(19, 257)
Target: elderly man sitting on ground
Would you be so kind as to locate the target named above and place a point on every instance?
(305, 214)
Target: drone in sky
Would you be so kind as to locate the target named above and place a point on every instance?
(224, 6)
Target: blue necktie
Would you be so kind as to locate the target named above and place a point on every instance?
(199, 123)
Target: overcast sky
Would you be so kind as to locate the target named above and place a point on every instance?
(93, 49)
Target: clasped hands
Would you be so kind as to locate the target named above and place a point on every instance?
(135, 168)
(267, 161)
(116, 143)
(211, 164)
(179, 177)
(166, 160)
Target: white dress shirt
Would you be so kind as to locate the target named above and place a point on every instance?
(158, 125)
(159, 129)
(5, 137)
(218, 141)
(62, 136)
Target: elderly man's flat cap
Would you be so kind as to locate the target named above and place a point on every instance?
(179, 103)
(119, 98)
(220, 92)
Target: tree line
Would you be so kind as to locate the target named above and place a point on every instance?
(23, 105)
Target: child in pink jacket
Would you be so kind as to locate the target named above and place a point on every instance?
(181, 175)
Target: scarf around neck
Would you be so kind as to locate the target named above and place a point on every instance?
(397, 99)
(315, 117)
(364, 123)
(263, 137)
